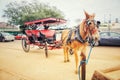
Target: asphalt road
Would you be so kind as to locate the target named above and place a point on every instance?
(15, 64)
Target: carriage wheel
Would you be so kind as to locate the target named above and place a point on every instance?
(46, 50)
(25, 45)
(83, 70)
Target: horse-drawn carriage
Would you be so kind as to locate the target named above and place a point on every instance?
(43, 38)
(72, 40)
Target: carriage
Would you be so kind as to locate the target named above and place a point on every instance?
(86, 32)
(43, 38)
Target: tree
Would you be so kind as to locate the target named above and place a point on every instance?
(18, 13)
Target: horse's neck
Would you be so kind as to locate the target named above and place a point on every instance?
(83, 34)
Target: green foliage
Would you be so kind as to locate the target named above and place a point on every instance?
(18, 13)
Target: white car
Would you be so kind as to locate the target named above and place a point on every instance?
(6, 37)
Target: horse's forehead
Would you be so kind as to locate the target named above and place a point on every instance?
(91, 17)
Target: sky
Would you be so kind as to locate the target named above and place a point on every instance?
(74, 9)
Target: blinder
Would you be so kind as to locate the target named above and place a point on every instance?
(88, 22)
(97, 23)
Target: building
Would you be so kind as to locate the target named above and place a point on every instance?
(9, 28)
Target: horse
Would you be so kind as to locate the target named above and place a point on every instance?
(75, 41)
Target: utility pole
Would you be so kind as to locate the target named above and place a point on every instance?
(109, 22)
(104, 19)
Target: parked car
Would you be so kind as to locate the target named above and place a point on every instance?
(109, 39)
(19, 36)
(6, 37)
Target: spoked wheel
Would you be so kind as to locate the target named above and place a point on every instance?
(25, 45)
(46, 50)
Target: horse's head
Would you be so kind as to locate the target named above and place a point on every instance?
(90, 26)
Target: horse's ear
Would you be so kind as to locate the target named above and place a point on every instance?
(86, 14)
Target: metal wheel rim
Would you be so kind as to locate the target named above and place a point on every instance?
(25, 46)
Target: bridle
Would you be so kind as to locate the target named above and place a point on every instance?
(88, 24)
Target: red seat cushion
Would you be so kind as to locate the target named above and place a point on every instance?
(48, 33)
(30, 32)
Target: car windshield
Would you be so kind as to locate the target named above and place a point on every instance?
(114, 34)
(104, 34)
(109, 34)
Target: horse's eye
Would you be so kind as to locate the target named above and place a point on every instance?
(88, 22)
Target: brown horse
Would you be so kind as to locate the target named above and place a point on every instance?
(77, 40)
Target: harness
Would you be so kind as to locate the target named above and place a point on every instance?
(77, 36)
(77, 33)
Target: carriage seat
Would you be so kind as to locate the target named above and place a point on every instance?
(32, 35)
(32, 32)
(49, 35)
(41, 35)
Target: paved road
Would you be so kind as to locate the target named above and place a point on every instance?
(15, 64)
